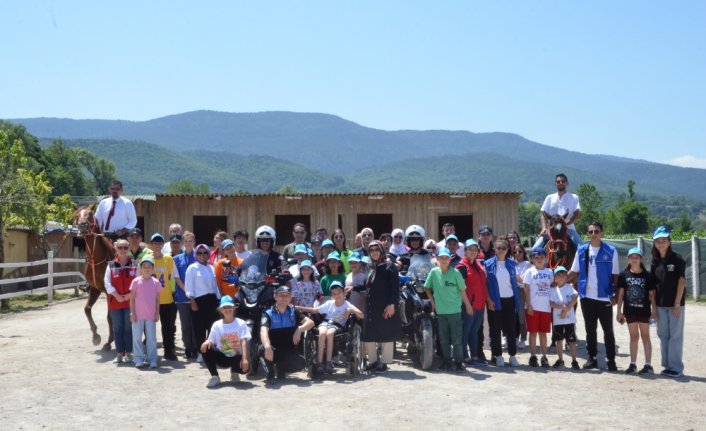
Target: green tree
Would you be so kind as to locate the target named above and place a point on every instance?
(591, 202)
(187, 187)
(101, 170)
(682, 222)
(65, 171)
(530, 223)
(286, 189)
(634, 217)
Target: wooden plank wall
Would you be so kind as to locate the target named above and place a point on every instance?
(499, 210)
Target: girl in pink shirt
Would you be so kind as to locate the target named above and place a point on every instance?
(144, 314)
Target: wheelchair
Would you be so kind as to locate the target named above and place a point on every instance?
(347, 345)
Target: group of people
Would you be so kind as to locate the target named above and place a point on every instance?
(524, 300)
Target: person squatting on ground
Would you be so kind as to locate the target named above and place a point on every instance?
(227, 344)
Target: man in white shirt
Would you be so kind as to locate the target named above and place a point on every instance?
(449, 229)
(564, 204)
(115, 214)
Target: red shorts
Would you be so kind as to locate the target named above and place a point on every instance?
(540, 321)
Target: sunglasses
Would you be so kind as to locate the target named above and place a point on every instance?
(202, 253)
(374, 249)
(594, 231)
(367, 234)
(299, 232)
(123, 247)
(501, 248)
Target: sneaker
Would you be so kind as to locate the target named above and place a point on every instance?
(514, 362)
(558, 364)
(590, 364)
(521, 344)
(234, 376)
(118, 360)
(373, 366)
(674, 374)
(612, 365)
(458, 367)
(382, 368)
(533, 361)
(545, 362)
(647, 369)
(319, 370)
(445, 366)
(666, 372)
(270, 377)
(170, 356)
(213, 382)
(199, 359)
(129, 358)
(141, 365)
(329, 367)
(499, 361)
(631, 369)
(575, 365)
(479, 362)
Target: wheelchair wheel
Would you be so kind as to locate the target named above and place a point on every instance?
(357, 360)
(426, 344)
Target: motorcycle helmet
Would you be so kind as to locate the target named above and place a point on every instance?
(265, 232)
(415, 232)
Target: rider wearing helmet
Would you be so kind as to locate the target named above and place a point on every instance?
(415, 241)
(265, 239)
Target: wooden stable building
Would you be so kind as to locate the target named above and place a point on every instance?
(206, 214)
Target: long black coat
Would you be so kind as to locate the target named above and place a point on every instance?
(381, 292)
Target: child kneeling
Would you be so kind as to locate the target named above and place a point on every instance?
(336, 311)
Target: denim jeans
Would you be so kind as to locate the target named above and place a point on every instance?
(670, 331)
(122, 330)
(187, 328)
(149, 327)
(575, 237)
(469, 336)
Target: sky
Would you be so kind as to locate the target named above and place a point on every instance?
(625, 78)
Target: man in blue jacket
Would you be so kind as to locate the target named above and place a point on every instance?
(596, 265)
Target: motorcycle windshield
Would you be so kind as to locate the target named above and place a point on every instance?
(419, 267)
(254, 267)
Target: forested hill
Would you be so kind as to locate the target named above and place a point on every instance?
(344, 155)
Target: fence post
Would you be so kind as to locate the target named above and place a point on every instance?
(641, 244)
(50, 279)
(695, 270)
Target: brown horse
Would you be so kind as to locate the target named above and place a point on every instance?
(560, 249)
(99, 252)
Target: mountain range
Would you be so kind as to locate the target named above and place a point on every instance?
(261, 152)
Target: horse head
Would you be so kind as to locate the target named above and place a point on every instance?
(85, 220)
(558, 228)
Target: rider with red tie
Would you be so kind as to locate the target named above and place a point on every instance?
(116, 215)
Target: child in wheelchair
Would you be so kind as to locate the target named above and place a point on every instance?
(335, 312)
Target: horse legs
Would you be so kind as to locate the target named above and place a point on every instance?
(106, 346)
(93, 295)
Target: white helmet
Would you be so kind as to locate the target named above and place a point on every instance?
(415, 231)
(265, 232)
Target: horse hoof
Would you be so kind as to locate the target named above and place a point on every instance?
(106, 347)
(96, 339)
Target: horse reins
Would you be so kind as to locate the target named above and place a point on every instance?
(91, 250)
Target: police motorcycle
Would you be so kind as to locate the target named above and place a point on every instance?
(419, 327)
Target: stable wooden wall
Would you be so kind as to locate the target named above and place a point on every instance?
(498, 209)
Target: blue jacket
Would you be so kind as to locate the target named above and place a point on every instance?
(493, 288)
(604, 269)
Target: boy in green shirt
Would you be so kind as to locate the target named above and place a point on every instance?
(445, 289)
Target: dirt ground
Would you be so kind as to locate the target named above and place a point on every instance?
(52, 377)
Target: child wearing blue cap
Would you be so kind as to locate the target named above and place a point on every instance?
(305, 289)
(334, 272)
(563, 298)
(144, 314)
(636, 304)
(537, 282)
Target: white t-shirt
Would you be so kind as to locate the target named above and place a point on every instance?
(503, 277)
(539, 282)
(563, 295)
(592, 281)
(227, 336)
(521, 267)
(333, 312)
(565, 205)
(243, 254)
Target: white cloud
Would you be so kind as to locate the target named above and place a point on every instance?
(688, 162)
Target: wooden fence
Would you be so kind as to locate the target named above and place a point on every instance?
(50, 276)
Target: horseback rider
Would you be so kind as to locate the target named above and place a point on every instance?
(115, 214)
(564, 204)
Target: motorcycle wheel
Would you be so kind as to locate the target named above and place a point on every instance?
(426, 344)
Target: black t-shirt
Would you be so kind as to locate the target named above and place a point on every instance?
(636, 295)
(667, 273)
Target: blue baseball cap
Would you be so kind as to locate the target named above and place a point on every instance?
(451, 237)
(365, 260)
(157, 237)
(354, 257)
(226, 243)
(443, 251)
(147, 259)
(301, 248)
(226, 301)
(538, 251)
(310, 252)
(305, 263)
(635, 250)
(334, 256)
(661, 232)
(559, 269)
(327, 242)
(472, 243)
(336, 284)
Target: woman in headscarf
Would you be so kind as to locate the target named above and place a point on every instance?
(398, 246)
(382, 324)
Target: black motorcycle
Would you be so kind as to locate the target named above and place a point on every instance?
(419, 327)
(256, 294)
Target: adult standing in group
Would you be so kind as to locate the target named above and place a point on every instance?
(115, 214)
(217, 251)
(382, 323)
(564, 204)
(175, 230)
(669, 269)
(341, 245)
(299, 233)
(596, 265)
(240, 239)
(446, 230)
(203, 293)
(485, 241)
(398, 246)
(118, 276)
(137, 251)
(366, 236)
(183, 303)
